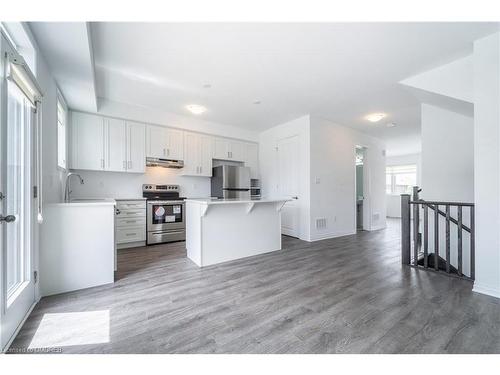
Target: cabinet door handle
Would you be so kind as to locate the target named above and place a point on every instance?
(130, 164)
(164, 152)
(200, 169)
(102, 163)
(168, 152)
(124, 165)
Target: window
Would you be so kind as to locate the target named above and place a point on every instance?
(400, 179)
(62, 116)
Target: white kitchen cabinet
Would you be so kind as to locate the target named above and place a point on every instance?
(227, 149)
(156, 141)
(252, 158)
(115, 145)
(164, 143)
(206, 153)
(197, 155)
(87, 142)
(136, 147)
(107, 144)
(175, 147)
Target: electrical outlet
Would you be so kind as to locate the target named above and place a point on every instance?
(318, 180)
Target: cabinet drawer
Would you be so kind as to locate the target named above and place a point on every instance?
(128, 205)
(130, 222)
(125, 213)
(131, 234)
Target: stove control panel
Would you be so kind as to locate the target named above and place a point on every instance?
(160, 188)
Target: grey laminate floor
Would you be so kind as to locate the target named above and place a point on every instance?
(345, 295)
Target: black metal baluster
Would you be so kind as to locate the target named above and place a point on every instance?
(448, 238)
(472, 244)
(415, 234)
(459, 231)
(426, 235)
(436, 237)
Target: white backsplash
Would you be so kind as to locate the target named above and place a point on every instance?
(129, 185)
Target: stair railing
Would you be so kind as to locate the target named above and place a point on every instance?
(419, 242)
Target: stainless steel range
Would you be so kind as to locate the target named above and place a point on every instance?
(165, 221)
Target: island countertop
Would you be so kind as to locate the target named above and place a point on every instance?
(210, 201)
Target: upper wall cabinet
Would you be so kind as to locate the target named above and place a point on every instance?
(252, 159)
(197, 155)
(87, 142)
(107, 144)
(136, 147)
(164, 143)
(227, 149)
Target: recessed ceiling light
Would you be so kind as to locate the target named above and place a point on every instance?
(375, 117)
(390, 124)
(257, 102)
(196, 109)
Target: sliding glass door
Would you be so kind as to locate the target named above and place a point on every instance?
(17, 205)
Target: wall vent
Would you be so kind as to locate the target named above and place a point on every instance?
(321, 223)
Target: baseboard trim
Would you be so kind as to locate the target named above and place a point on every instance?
(483, 289)
(326, 236)
(9, 343)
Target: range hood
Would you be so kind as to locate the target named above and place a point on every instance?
(165, 163)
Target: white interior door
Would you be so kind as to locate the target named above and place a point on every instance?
(288, 184)
(17, 210)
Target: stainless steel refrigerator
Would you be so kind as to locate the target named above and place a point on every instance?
(231, 182)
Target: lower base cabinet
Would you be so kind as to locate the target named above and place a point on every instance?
(130, 223)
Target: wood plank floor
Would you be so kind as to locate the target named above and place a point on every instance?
(344, 295)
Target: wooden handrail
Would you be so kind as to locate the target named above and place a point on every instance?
(421, 201)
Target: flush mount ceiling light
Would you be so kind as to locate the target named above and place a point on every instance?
(196, 109)
(375, 117)
(256, 102)
(390, 124)
(207, 85)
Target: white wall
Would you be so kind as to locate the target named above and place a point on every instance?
(129, 185)
(447, 155)
(394, 201)
(269, 167)
(333, 151)
(487, 163)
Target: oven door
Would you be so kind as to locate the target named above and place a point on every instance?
(165, 216)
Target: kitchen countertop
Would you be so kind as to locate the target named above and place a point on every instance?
(87, 202)
(130, 199)
(210, 201)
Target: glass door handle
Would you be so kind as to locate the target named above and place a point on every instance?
(8, 218)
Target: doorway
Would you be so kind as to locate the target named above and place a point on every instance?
(360, 183)
(18, 207)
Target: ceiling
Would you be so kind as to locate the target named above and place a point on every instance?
(337, 71)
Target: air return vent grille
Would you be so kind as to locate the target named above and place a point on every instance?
(321, 223)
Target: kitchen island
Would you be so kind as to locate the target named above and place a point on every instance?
(220, 230)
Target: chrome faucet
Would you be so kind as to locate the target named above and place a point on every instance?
(67, 192)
